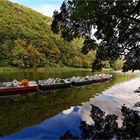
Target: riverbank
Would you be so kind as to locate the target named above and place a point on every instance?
(129, 72)
(42, 69)
(48, 69)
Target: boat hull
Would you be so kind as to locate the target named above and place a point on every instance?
(18, 90)
(54, 86)
(81, 83)
(100, 80)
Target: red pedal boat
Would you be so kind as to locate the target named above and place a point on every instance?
(15, 87)
(17, 90)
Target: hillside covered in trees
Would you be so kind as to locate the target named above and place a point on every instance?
(26, 40)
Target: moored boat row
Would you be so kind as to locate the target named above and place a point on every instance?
(25, 86)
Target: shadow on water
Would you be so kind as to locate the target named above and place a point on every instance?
(106, 126)
(17, 113)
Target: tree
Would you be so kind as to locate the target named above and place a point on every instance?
(25, 55)
(117, 24)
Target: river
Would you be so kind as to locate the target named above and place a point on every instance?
(49, 114)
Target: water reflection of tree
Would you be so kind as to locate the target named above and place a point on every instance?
(106, 126)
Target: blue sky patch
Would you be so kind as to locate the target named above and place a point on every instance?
(45, 7)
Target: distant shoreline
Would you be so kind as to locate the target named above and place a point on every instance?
(120, 71)
(41, 69)
(49, 69)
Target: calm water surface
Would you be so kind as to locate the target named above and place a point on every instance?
(49, 115)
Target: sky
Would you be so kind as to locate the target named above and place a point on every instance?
(46, 7)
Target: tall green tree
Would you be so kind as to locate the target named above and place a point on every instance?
(116, 24)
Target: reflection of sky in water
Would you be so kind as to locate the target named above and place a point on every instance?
(52, 128)
(110, 101)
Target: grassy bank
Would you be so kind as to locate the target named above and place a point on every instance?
(47, 69)
(43, 69)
